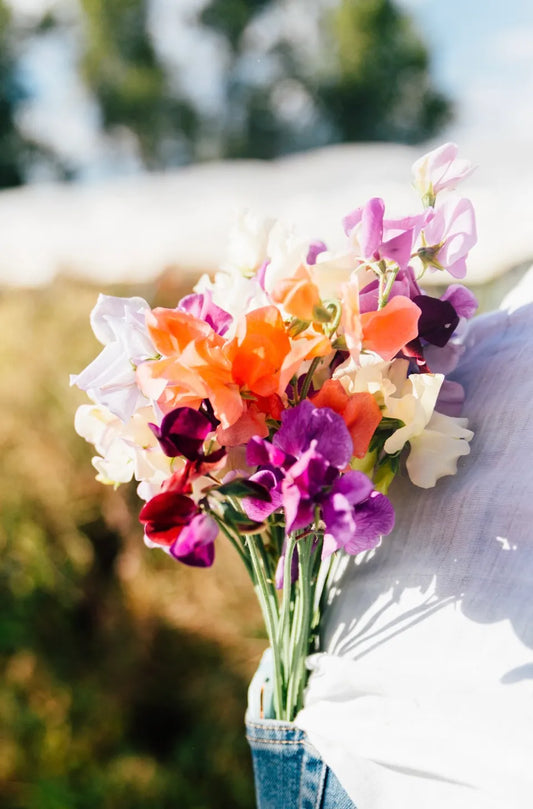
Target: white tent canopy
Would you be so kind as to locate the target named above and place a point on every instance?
(132, 229)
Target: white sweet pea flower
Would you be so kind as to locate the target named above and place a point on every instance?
(331, 271)
(286, 251)
(235, 294)
(125, 451)
(436, 441)
(436, 450)
(247, 244)
(119, 323)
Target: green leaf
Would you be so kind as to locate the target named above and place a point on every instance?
(242, 487)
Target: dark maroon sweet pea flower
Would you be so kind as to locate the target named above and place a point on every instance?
(183, 432)
(200, 305)
(438, 319)
(195, 544)
(315, 248)
(165, 515)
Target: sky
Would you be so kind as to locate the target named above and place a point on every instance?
(482, 57)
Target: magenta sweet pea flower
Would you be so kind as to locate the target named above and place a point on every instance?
(200, 304)
(165, 515)
(195, 544)
(174, 521)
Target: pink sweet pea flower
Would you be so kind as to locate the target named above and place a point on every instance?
(439, 169)
(449, 235)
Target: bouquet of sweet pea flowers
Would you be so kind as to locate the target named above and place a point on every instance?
(273, 406)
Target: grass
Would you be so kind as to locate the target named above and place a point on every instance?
(124, 674)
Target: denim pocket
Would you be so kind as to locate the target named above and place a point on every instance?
(289, 773)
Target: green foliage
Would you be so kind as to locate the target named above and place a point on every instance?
(13, 146)
(117, 687)
(121, 67)
(365, 78)
(382, 89)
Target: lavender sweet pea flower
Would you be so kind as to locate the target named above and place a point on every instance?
(119, 323)
(450, 234)
(200, 305)
(376, 238)
(462, 299)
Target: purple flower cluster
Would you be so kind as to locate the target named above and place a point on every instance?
(303, 469)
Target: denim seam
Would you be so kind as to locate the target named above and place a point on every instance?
(255, 740)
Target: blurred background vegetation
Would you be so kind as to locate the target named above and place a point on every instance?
(351, 70)
(124, 675)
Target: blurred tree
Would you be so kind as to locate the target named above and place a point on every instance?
(13, 146)
(354, 71)
(380, 89)
(121, 67)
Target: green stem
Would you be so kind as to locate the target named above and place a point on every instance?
(265, 602)
(308, 378)
(284, 625)
(297, 677)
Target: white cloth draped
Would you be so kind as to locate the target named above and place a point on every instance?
(424, 697)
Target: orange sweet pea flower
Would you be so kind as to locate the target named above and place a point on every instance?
(389, 329)
(360, 412)
(194, 366)
(263, 356)
(298, 294)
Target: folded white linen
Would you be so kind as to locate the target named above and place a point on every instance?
(425, 696)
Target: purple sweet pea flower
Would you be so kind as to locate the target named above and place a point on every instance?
(256, 509)
(306, 425)
(195, 545)
(200, 305)
(355, 515)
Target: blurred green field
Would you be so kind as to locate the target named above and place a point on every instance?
(123, 674)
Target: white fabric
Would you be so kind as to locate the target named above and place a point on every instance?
(425, 695)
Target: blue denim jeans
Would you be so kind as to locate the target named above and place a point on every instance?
(289, 774)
